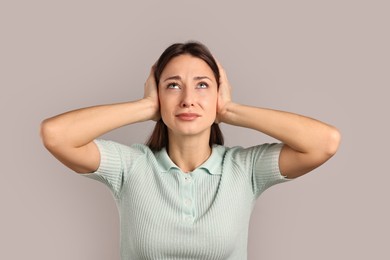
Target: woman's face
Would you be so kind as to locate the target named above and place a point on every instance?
(188, 96)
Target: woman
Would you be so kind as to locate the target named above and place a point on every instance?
(184, 195)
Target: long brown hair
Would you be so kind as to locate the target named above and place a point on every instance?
(159, 136)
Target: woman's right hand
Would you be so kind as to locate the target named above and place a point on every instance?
(151, 94)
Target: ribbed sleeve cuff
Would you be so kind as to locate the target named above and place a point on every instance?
(110, 158)
(110, 170)
(267, 171)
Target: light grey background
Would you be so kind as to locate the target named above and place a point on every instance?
(326, 59)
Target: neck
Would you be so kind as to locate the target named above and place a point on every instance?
(188, 153)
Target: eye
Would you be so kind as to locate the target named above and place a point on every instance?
(202, 85)
(173, 86)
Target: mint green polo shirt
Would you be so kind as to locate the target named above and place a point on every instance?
(168, 214)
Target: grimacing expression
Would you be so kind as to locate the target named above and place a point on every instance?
(188, 93)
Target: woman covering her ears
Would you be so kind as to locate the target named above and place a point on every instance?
(184, 195)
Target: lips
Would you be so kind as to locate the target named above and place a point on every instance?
(187, 116)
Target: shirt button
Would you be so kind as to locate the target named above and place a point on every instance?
(187, 179)
(188, 202)
(188, 218)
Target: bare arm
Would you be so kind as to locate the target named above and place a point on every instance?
(308, 143)
(69, 136)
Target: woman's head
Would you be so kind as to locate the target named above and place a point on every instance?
(187, 78)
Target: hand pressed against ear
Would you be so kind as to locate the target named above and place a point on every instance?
(224, 94)
(151, 94)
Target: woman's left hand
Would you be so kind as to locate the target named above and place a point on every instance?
(224, 95)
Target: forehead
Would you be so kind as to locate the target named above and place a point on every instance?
(187, 65)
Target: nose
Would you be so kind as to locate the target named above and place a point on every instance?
(187, 99)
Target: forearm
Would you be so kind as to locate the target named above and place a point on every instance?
(301, 133)
(79, 127)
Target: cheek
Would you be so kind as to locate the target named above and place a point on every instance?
(210, 100)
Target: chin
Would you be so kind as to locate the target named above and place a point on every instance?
(190, 132)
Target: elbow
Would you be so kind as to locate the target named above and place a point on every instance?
(333, 140)
(48, 133)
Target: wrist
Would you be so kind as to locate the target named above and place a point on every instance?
(226, 115)
(152, 110)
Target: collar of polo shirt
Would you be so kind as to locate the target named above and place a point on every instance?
(213, 165)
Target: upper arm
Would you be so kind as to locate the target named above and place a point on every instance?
(84, 159)
(81, 159)
(294, 164)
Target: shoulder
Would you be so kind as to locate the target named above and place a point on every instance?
(110, 147)
(104, 143)
(245, 153)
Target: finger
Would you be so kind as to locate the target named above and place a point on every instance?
(222, 70)
(152, 70)
(218, 64)
(222, 74)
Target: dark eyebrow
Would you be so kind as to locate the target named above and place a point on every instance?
(177, 77)
(202, 77)
(173, 77)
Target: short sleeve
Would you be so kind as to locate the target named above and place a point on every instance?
(266, 172)
(114, 158)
